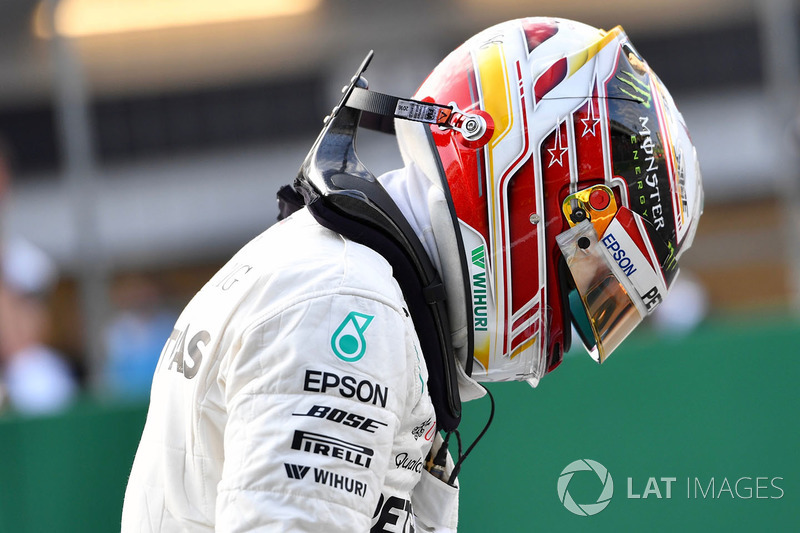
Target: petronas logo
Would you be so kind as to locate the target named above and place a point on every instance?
(348, 341)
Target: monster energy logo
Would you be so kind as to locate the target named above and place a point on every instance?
(641, 88)
(651, 175)
(479, 295)
(671, 262)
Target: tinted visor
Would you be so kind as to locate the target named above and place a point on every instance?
(607, 308)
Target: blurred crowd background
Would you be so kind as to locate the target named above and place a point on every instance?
(142, 142)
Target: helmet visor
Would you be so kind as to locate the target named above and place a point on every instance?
(609, 308)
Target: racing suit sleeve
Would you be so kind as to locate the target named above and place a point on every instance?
(316, 396)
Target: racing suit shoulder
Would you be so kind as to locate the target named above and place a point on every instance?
(292, 395)
(307, 260)
(337, 362)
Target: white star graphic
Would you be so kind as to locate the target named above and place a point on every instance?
(590, 118)
(557, 148)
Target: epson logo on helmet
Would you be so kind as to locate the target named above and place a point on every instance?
(632, 262)
(625, 263)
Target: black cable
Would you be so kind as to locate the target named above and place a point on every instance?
(437, 465)
(461, 458)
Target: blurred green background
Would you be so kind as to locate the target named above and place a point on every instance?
(719, 403)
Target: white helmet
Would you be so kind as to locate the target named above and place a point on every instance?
(575, 185)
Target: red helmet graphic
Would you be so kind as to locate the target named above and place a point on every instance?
(574, 181)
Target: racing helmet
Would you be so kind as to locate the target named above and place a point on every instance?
(575, 185)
